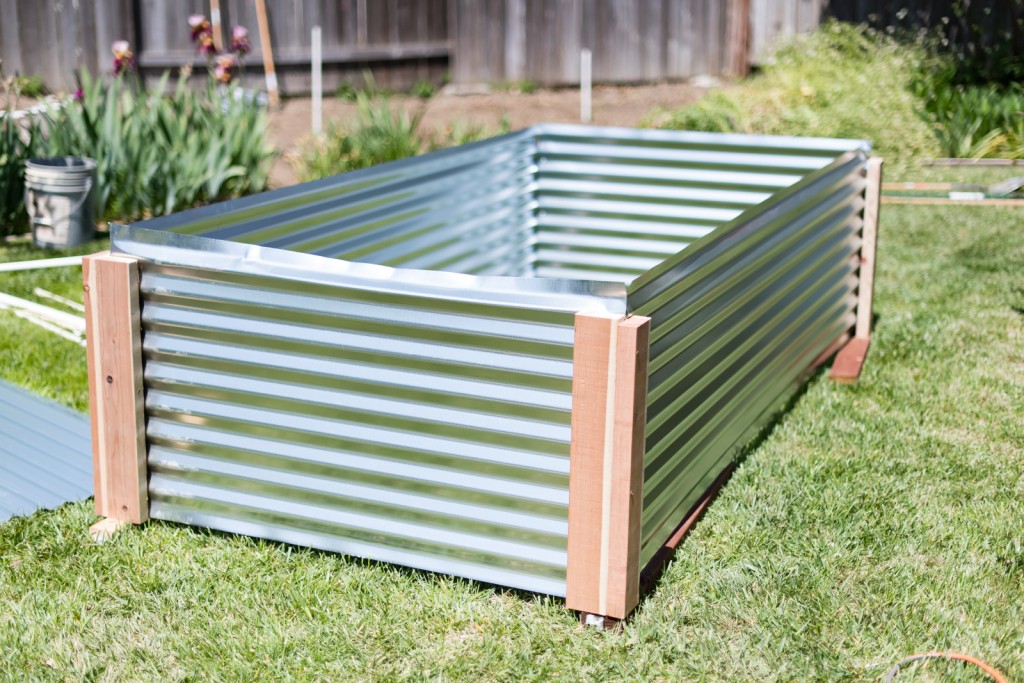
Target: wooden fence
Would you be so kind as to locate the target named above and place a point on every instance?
(401, 41)
(476, 41)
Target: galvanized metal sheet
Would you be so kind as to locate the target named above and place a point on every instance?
(736, 318)
(408, 398)
(45, 453)
(414, 417)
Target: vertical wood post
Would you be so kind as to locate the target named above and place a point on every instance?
(113, 331)
(609, 409)
(738, 30)
(850, 359)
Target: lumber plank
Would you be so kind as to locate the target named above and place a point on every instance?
(105, 529)
(866, 288)
(850, 361)
(952, 202)
(627, 469)
(114, 357)
(606, 463)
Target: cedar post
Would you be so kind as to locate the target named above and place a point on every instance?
(609, 410)
(114, 349)
(850, 359)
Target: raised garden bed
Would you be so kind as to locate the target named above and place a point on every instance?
(521, 361)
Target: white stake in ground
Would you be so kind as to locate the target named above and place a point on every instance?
(317, 80)
(586, 86)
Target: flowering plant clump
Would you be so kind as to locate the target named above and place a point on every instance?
(222, 65)
(123, 59)
(240, 44)
(202, 34)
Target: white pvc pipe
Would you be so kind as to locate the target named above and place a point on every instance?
(586, 86)
(70, 336)
(68, 321)
(40, 292)
(318, 81)
(41, 263)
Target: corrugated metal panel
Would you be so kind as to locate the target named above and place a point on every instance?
(459, 210)
(736, 319)
(45, 453)
(614, 203)
(373, 405)
(330, 404)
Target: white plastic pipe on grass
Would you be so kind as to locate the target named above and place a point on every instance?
(41, 263)
(68, 321)
(60, 331)
(40, 292)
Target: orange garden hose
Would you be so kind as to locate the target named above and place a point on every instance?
(996, 676)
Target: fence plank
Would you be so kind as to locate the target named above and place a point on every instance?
(483, 40)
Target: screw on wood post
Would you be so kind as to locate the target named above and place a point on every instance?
(609, 408)
(850, 360)
(113, 331)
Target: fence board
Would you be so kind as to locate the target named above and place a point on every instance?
(480, 41)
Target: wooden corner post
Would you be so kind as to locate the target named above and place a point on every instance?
(609, 410)
(113, 329)
(850, 359)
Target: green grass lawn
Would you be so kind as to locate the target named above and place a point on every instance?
(874, 521)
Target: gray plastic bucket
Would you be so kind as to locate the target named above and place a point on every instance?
(58, 197)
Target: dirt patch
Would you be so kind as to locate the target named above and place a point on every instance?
(612, 106)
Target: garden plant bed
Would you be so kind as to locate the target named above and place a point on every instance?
(519, 361)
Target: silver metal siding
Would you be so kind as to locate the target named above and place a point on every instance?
(735, 319)
(354, 398)
(358, 414)
(612, 204)
(459, 210)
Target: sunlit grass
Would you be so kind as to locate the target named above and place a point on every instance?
(874, 521)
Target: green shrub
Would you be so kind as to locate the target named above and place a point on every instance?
(463, 133)
(159, 153)
(975, 121)
(423, 89)
(19, 140)
(377, 135)
(349, 92)
(839, 81)
(31, 86)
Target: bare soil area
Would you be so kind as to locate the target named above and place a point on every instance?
(612, 106)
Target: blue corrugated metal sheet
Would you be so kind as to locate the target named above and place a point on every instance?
(45, 453)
